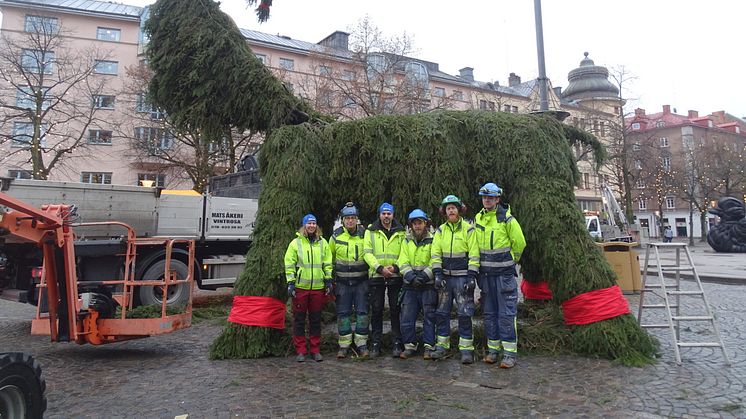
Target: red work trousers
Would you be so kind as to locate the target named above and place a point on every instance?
(307, 302)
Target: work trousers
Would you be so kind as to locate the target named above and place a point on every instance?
(500, 304)
(378, 292)
(414, 301)
(352, 297)
(310, 303)
(454, 289)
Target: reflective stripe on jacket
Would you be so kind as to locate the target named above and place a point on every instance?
(500, 240)
(308, 264)
(455, 249)
(348, 253)
(381, 250)
(415, 256)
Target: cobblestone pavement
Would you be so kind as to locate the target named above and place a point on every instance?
(170, 375)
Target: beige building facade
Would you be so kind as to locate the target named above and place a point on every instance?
(336, 77)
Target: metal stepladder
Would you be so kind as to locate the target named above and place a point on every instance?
(668, 291)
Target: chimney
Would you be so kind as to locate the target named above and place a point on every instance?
(693, 114)
(639, 112)
(467, 73)
(514, 80)
(666, 109)
(337, 40)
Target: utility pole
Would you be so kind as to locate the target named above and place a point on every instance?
(543, 93)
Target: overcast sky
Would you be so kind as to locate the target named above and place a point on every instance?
(686, 53)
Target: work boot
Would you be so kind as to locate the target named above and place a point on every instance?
(428, 355)
(318, 357)
(407, 353)
(508, 361)
(467, 357)
(342, 353)
(363, 351)
(301, 358)
(398, 349)
(491, 357)
(438, 353)
(375, 351)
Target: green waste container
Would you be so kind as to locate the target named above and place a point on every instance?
(626, 264)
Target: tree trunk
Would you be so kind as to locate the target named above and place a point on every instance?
(703, 224)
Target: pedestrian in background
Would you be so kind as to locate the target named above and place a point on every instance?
(308, 271)
(668, 234)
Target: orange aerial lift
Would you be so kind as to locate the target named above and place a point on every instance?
(86, 311)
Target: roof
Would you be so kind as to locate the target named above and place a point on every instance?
(288, 42)
(88, 6)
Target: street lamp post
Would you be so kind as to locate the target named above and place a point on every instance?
(543, 90)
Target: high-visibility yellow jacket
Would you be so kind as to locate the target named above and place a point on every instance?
(308, 263)
(415, 255)
(381, 250)
(348, 252)
(455, 251)
(500, 240)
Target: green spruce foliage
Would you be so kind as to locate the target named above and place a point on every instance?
(205, 76)
(414, 161)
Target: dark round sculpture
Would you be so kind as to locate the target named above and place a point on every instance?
(729, 235)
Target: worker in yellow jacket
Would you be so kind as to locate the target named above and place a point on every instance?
(308, 272)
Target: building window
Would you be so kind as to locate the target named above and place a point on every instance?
(602, 128)
(348, 75)
(491, 105)
(262, 58)
(108, 34)
(19, 174)
(99, 137)
(663, 141)
(506, 108)
(23, 134)
(287, 63)
(514, 109)
(660, 124)
(155, 140)
(144, 106)
(636, 146)
(666, 163)
(106, 67)
(103, 101)
(26, 98)
(586, 181)
(34, 61)
(348, 102)
(458, 95)
(640, 184)
(636, 126)
(416, 75)
(482, 104)
(638, 164)
(103, 178)
(670, 202)
(325, 70)
(439, 92)
(41, 24)
(157, 179)
(642, 205)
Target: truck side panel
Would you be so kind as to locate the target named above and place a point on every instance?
(230, 218)
(180, 216)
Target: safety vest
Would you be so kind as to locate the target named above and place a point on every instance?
(348, 253)
(455, 249)
(381, 250)
(415, 255)
(307, 263)
(500, 240)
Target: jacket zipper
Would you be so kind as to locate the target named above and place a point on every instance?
(310, 256)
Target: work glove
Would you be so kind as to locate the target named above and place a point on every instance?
(409, 277)
(471, 283)
(291, 289)
(328, 287)
(439, 281)
(421, 279)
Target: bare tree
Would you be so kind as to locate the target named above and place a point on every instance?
(376, 76)
(52, 95)
(157, 145)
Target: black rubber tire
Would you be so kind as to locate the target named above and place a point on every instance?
(21, 387)
(178, 295)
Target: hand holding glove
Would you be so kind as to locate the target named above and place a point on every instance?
(409, 277)
(439, 281)
(421, 279)
(328, 287)
(291, 289)
(471, 283)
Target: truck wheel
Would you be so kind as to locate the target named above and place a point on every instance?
(178, 295)
(21, 387)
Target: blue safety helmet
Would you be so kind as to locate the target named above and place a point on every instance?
(490, 189)
(417, 213)
(349, 210)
